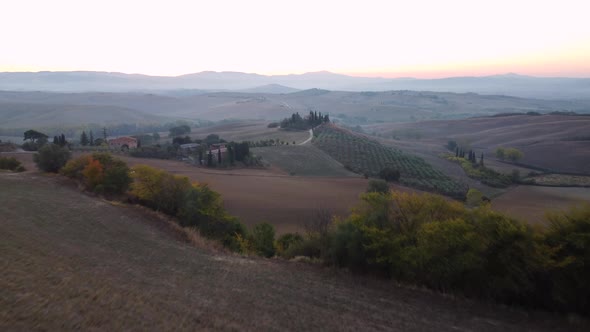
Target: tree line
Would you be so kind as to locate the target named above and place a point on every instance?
(296, 121)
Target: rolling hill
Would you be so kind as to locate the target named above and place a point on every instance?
(349, 108)
(70, 262)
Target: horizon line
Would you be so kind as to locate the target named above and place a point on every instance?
(356, 75)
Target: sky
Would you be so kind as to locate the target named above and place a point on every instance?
(418, 38)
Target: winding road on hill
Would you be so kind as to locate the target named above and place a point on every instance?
(309, 139)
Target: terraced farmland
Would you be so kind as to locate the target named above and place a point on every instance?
(365, 156)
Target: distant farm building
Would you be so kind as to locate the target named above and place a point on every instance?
(124, 142)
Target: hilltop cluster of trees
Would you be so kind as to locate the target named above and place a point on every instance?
(313, 119)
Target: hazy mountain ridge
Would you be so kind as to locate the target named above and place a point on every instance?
(508, 84)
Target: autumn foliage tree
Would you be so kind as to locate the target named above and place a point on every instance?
(100, 172)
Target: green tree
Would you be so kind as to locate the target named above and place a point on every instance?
(91, 139)
(389, 174)
(34, 136)
(84, 138)
(51, 158)
(179, 130)
(513, 154)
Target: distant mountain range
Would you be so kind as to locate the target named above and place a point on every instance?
(209, 81)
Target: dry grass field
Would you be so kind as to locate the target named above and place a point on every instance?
(530, 203)
(74, 262)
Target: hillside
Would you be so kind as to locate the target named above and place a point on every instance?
(365, 156)
(349, 108)
(37, 115)
(93, 265)
(555, 142)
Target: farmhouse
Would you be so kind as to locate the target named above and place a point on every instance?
(124, 142)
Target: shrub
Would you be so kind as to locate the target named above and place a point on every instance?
(513, 154)
(287, 241)
(93, 173)
(51, 158)
(100, 172)
(273, 125)
(10, 163)
(263, 237)
(159, 189)
(568, 243)
(378, 186)
(389, 174)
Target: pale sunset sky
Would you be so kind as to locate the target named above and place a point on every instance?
(423, 38)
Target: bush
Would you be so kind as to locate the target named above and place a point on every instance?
(568, 243)
(287, 241)
(100, 172)
(10, 163)
(51, 158)
(428, 240)
(273, 125)
(262, 238)
(158, 189)
(378, 186)
(389, 174)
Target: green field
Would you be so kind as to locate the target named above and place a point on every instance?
(365, 156)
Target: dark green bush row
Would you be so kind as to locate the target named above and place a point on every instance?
(427, 240)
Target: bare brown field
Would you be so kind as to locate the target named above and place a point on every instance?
(73, 262)
(257, 195)
(547, 141)
(530, 203)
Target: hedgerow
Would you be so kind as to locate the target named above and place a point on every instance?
(428, 240)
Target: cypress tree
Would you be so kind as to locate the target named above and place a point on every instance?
(481, 160)
(209, 159)
(91, 140)
(84, 138)
(219, 156)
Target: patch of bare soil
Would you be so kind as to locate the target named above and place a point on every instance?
(73, 262)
